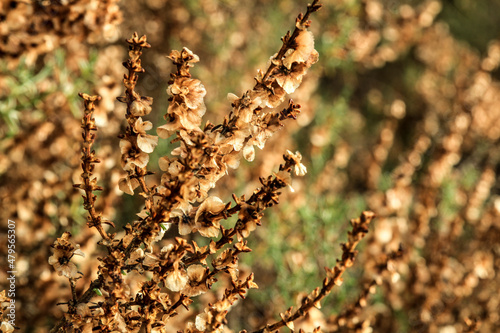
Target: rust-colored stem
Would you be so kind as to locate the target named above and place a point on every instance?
(88, 161)
(359, 230)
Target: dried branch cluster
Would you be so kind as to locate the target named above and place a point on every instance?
(406, 124)
(88, 160)
(180, 270)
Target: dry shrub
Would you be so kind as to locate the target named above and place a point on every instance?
(399, 117)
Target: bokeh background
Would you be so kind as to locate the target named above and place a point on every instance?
(401, 116)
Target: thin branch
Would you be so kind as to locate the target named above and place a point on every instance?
(334, 275)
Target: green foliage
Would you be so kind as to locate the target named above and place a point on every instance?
(26, 87)
(22, 94)
(297, 248)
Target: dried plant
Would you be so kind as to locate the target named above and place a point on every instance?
(399, 117)
(171, 276)
(34, 28)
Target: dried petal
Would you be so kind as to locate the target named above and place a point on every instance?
(147, 143)
(128, 185)
(249, 153)
(139, 108)
(303, 50)
(176, 280)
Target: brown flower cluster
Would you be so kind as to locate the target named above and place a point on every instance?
(64, 248)
(247, 125)
(401, 120)
(135, 144)
(171, 277)
(33, 28)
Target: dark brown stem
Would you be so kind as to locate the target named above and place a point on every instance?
(73, 302)
(266, 191)
(360, 302)
(88, 160)
(85, 298)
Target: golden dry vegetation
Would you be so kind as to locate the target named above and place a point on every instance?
(395, 117)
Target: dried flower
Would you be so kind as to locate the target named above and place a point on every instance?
(132, 156)
(177, 279)
(201, 322)
(141, 107)
(184, 60)
(197, 275)
(186, 107)
(185, 224)
(63, 249)
(189, 92)
(6, 327)
(145, 142)
(205, 219)
(251, 218)
(303, 50)
(249, 153)
(299, 168)
(128, 185)
(227, 261)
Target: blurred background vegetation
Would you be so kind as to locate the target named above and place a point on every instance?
(400, 116)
